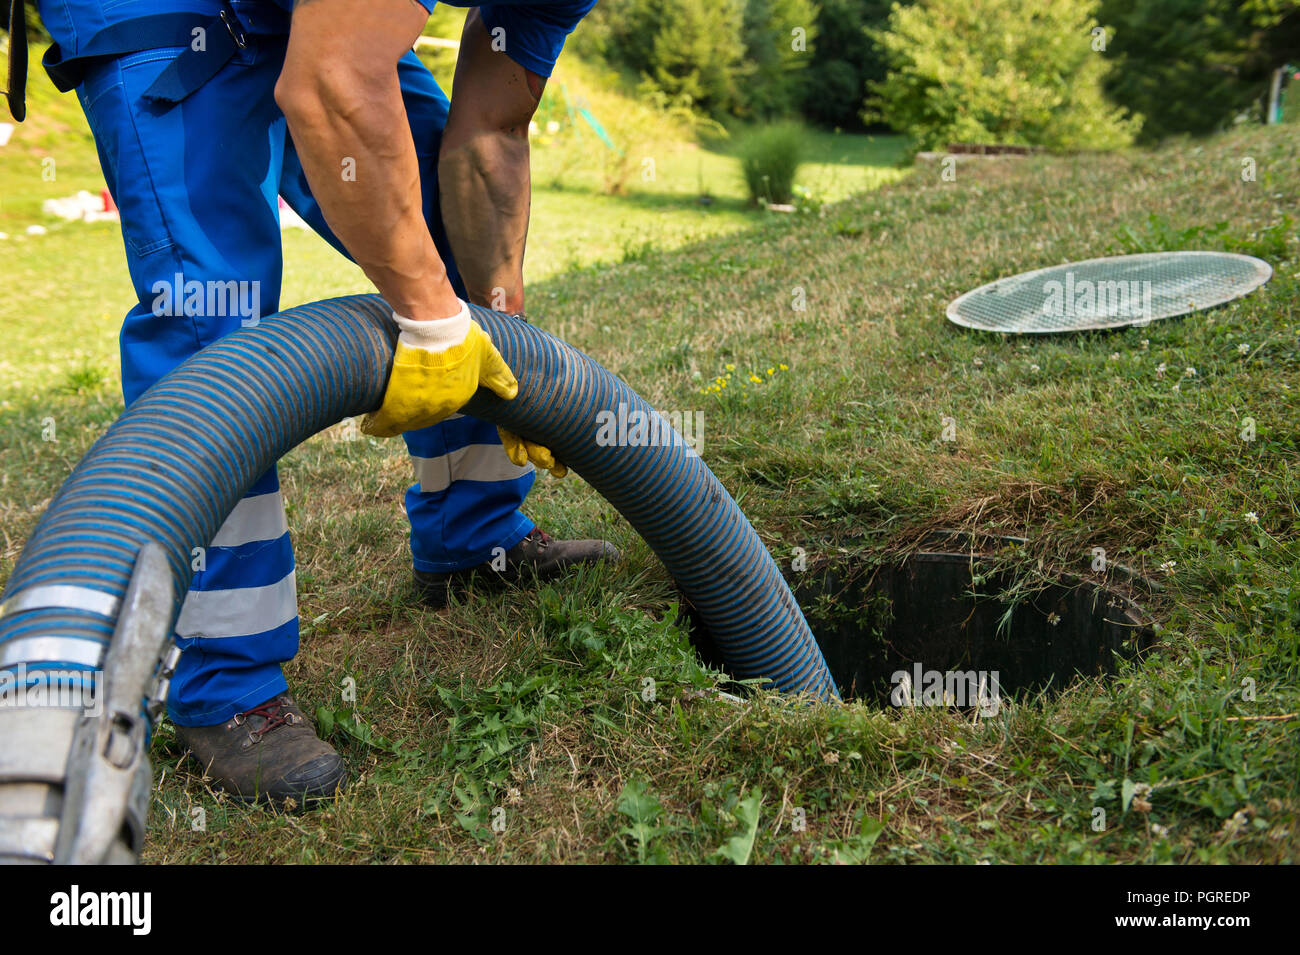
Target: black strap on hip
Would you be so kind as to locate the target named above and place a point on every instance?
(225, 36)
(16, 94)
(209, 44)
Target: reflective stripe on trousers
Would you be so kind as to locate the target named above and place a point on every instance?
(197, 187)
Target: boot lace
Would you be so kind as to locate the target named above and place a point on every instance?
(273, 712)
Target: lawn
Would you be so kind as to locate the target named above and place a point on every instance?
(515, 727)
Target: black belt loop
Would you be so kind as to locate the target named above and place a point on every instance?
(16, 94)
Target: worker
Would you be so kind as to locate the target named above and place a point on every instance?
(203, 112)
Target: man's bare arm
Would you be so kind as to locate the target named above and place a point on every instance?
(340, 93)
(483, 168)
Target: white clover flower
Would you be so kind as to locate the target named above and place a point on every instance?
(1238, 822)
(1146, 343)
(1168, 566)
(1250, 517)
(1160, 370)
(1034, 368)
(1189, 372)
(1114, 356)
(1243, 348)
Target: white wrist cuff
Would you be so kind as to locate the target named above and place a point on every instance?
(437, 335)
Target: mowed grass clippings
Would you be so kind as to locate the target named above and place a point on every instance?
(572, 723)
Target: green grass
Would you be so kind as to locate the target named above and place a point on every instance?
(532, 708)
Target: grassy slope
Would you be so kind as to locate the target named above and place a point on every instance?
(533, 702)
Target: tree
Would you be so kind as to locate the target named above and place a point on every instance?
(723, 56)
(690, 50)
(780, 45)
(999, 71)
(623, 32)
(1191, 66)
(847, 59)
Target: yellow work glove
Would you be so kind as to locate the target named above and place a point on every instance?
(437, 367)
(521, 452)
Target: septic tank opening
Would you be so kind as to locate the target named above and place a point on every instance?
(953, 619)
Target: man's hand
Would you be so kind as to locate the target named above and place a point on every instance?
(521, 452)
(437, 368)
(341, 96)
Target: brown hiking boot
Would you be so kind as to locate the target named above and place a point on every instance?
(267, 754)
(539, 555)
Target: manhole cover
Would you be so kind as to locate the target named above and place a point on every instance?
(1111, 292)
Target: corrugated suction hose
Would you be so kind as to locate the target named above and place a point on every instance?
(172, 468)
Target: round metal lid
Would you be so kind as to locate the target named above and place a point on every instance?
(1111, 292)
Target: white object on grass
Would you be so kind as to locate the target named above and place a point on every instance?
(290, 219)
(83, 207)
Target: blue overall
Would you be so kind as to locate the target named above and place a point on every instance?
(197, 182)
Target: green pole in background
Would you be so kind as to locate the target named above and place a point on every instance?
(1275, 95)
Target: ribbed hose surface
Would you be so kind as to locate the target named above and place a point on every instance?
(176, 463)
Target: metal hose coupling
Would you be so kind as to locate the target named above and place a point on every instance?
(75, 777)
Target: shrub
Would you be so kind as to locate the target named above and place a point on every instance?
(769, 159)
(1003, 71)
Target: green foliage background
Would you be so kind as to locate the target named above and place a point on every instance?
(1012, 71)
(1005, 71)
(980, 70)
(1191, 66)
(846, 60)
(725, 57)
